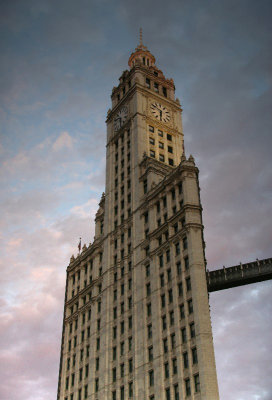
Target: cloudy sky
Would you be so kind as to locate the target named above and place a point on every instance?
(59, 62)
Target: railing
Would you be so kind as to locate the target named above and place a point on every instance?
(238, 275)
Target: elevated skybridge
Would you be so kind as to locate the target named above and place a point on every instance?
(239, 275)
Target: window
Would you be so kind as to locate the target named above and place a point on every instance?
(194, 355)
(114, 374)
(160, 133)
(163, 300)
(156, 87)
(129, 343)
(180, 289)
(146, 217)
(166, 370)
(175, 366)
(185, 360)
(149, 331)
(114, 332)
(122, 370)
(172, 319)
(130, 322)
(197, 383)
(162, 280)
(167, 255)
(164, 91)
(167, 394)
(150, 353)
(151, 128)
(79, 394)
(67, 383)
(130, 365)
(183, 335)
(122, 289)
(176, 391)
(192, 330)
(122, 305)
(148, 307)
(178, 268)
(152, 153)
(151, 378)
(151, 140)
(147, 270)
(188, 284)
(170, 161)
(130, 302)
(170, 149)
(161, 260)
(177, 246)
(122, 327)
(148, 289)
(164, 325)
(115, 312)
(170, 295)
(114, 395)
(169, 275)
(185, 243)
(186, 263)
(122, 392)
(161, 145)
(86, 391)
(130, 389)
(114, 353)
(97, 364)
(165, 345)
(96, 384)
(122, 347)
(187, 387)
(173, 341)
(97, 343)
(161, 157)
(147, 83)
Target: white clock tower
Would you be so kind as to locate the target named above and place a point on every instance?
(136, 319)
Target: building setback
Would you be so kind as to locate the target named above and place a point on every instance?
(136, 317)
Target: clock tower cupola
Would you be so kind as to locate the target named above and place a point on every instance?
(141, 55)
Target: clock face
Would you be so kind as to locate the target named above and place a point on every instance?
(160, 112)
(120, 118)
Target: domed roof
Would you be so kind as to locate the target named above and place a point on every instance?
(141, 55)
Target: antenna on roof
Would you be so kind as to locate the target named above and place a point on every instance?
(141, 36)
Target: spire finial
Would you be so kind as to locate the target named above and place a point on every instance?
(141, 36)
